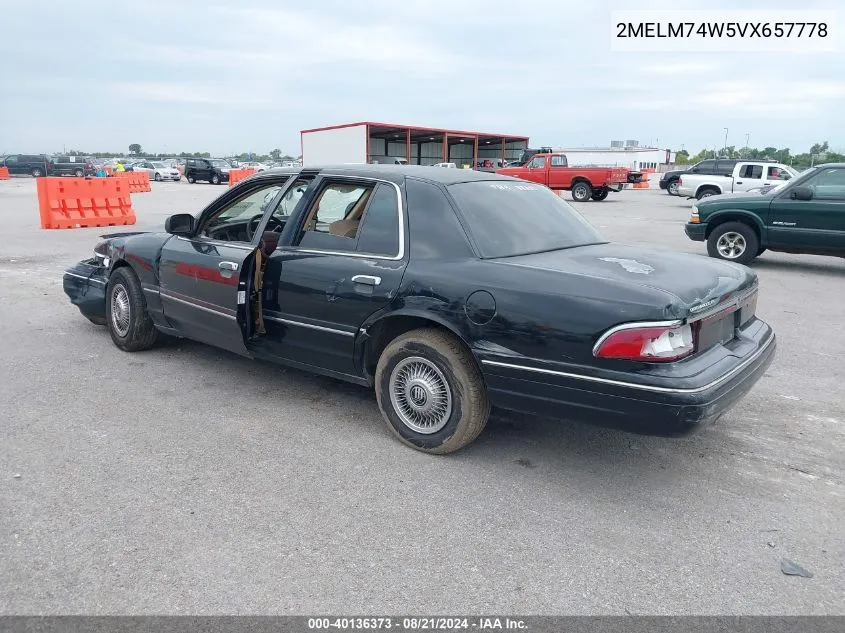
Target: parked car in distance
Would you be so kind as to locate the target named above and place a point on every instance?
(158, 170)
(709, 167)
(585, 183)
(804, 215)
(254, 165)
(745, 175)
(213, 170)
(78, 166)
(450, 291)
(388, 160)
(446, 165)
(31, 164)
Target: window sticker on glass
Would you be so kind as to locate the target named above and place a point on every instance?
(509, 187)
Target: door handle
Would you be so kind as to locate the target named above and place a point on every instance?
(368, 280)
(739, 182)
(233, 266)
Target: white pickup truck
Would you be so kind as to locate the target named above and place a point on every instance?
(746, 175)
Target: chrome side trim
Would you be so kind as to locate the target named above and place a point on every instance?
(633, 385)
(400, 206)
(633, 326)
(217, 243)
(307, 325)
(165, 295)
(96, 281)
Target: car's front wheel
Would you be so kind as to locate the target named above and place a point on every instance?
(130, 326)
(215, 179)
(734, 242)
(79, 173)
(37, 173)
(430, 391)
(190, 178)
(158, 177)
(581, 191)
(672, 188)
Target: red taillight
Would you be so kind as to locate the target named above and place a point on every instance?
(647, 342)
(680, 181)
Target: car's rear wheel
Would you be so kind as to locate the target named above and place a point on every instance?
(734, 242)
(581, 191)
(190, 178)
(430, 391)
(215, 179)
(672, 188)
(130, 326)
(706, 192)
(158, 177)
(79, 173)
(37, 173)
(600, 194)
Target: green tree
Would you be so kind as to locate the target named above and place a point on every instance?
(135, 148)
(819, 148)
(681, 157)
(276, 154)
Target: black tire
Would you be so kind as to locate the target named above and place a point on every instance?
(79, 173)
(761, 250)
(215, 179)
(750, 244)
(190, 178)
(706, 192)
(581, 191)
(672, 187)
(158, 177)
(140, 333)
(37, 173)
(96, 320)
(469, 406)
(600, 194)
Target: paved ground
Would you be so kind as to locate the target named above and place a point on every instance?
(188, 480)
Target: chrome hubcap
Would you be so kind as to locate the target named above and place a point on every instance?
(420, 395)
(580, 191)
(731, 245)
(673, 188)
(120, 310)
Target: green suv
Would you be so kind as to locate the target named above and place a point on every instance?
(804, 215)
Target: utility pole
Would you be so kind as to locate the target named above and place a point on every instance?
(725, 148)
(747, 135)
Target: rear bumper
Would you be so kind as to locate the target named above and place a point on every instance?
(85, 285)
(649, 409)
(696, 232)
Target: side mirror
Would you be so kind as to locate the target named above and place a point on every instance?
(801, 193)
(179, 224)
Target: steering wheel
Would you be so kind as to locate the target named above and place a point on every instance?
(252, 226)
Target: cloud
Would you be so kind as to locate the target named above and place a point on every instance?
(186, 93)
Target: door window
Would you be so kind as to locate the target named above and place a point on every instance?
(704, 167)
(379, 232)
(828, 184)
(776, 173)
(538, 162)
(558, 161)
(11, 160)
(237, 221)
(754, 172)
(724, 168)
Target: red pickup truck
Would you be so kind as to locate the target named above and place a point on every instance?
(552, 170)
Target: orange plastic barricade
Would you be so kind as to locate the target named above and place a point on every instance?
(4, 173)
(66, 203)
(139, 181)
(643, 183)
(236, 175)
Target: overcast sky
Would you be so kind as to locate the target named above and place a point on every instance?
(246, 75)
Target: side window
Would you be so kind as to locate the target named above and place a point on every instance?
(538, 162)
(334, 217)
(776, 173)
(287, 205)
(704, 167)
(724, 168)
(379, 233)
(11, 160)
(558, 161)
(237, 221)
(754, 172)
(828, 185)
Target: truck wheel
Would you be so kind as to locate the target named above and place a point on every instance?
(79, 173)
(190, 178)
(130, 326)
(600, 194)
(430, 391)
(672, 188)
(706, 192)
(581, 191)
(215, 179)
(734, 242)
(36, 173)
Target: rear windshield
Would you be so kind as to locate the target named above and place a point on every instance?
(516, 218)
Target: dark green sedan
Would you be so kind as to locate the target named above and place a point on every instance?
(804, 215)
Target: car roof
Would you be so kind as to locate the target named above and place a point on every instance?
(395, 173)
